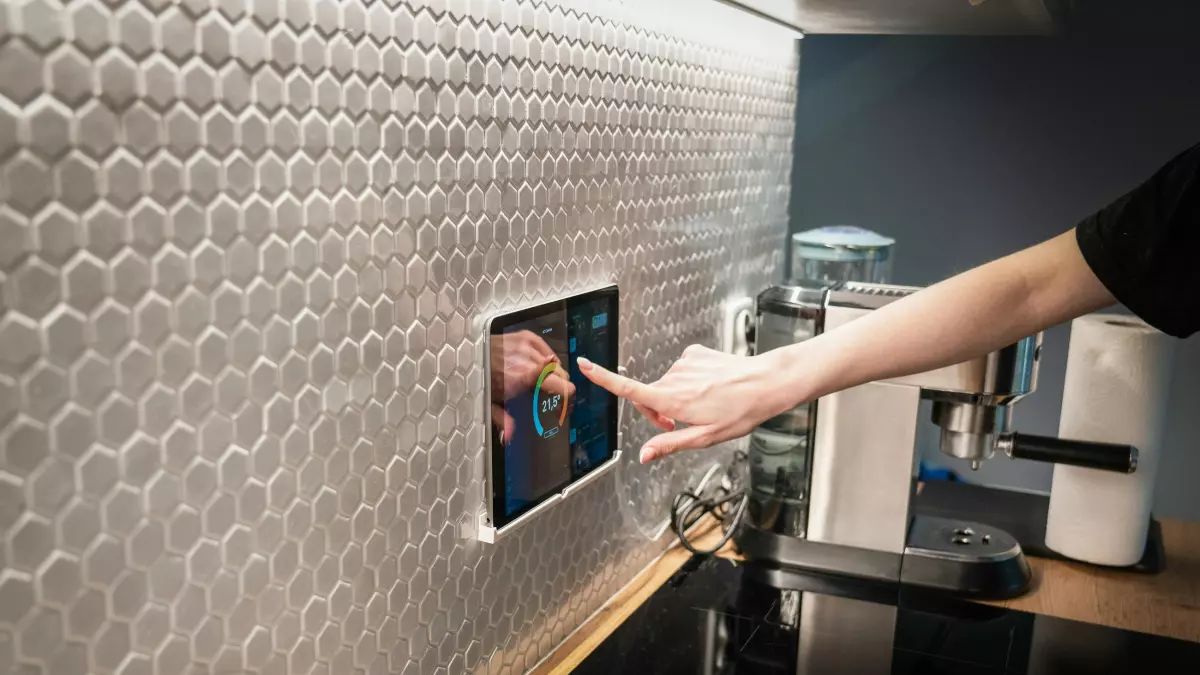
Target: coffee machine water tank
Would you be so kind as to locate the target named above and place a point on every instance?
(785, 315)
(779, 447)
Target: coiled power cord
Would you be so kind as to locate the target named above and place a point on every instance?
(724, 499)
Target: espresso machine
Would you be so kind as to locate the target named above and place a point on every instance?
(833, 483)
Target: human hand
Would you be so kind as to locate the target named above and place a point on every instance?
(719, 396)
(517, 361)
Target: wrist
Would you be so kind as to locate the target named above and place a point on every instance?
(794, 375)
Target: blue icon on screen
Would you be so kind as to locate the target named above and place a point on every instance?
(572, 347)
(572, 435)
(600, 320)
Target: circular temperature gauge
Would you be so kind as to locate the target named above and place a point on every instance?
(549, 410)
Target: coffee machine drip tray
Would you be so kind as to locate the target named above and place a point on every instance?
(965, 558)
(1022, 514)
(966, 540)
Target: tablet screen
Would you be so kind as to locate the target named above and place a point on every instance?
(549, 425)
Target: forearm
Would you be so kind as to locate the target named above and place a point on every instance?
(958, 319)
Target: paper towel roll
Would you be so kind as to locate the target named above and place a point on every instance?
(1118, 371)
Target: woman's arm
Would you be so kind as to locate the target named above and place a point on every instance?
(720, 396)
(968, 315)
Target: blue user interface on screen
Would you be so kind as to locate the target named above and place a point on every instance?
(550, 424)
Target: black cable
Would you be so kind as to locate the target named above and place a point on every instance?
(706, 508)
(727, 504)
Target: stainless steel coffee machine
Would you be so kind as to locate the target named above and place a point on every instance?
(833, 483)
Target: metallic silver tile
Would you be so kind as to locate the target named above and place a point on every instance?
(243, 246)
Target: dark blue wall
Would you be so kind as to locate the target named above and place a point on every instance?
(968, 149)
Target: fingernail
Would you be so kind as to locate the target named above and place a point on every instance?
(584, 364)
(646, 455)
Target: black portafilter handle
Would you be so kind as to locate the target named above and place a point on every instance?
(1088, 454)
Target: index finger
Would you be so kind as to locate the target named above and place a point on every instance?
(624, 387)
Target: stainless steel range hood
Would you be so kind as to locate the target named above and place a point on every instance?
(914, 17)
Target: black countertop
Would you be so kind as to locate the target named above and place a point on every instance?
(717, 618)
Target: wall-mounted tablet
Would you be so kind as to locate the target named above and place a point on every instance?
(550, 427)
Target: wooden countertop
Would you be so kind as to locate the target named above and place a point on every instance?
(1162, 604)
(1167, 603)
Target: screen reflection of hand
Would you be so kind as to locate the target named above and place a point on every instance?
(517, 362)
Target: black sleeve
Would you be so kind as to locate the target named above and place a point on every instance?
(1145, 247)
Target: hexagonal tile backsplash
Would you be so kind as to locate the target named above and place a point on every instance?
(243, 248)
